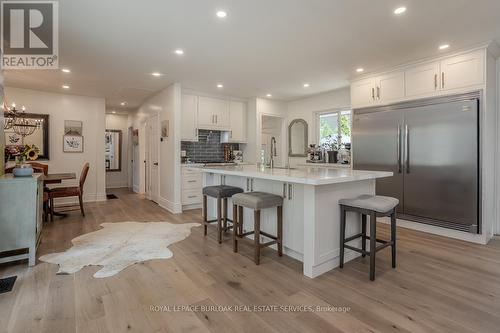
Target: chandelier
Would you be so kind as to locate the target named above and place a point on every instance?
(9, 115)
(19, 122)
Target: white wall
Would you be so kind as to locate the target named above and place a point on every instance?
(307, 107)
(167, 103)
(61, 107)
(116, 179)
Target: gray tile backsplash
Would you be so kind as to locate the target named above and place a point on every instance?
(208, 147)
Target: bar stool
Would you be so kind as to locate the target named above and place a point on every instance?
(257, 201)
(221, 193)
(373, 206)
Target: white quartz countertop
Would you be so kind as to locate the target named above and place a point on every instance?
(300, 175)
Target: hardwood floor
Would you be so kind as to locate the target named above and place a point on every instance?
(440, 285)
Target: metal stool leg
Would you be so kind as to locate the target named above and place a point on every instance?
(373, 243)
(342, 235)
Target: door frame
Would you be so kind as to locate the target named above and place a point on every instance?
(150, 121)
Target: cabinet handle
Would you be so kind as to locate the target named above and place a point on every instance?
(248, 182)
(442, 80)
(378, 92)
(290, 191)
(216, 119)
(251, 185)
(435, 81)
(191, 181)
(373, 93)
(192, 196)
(284, 191)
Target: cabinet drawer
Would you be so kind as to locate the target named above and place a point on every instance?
(190, 197)
(191, 181)
(190, 171)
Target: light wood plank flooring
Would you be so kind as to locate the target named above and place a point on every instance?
(440, 285)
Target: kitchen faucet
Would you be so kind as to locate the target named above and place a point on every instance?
(273, 152)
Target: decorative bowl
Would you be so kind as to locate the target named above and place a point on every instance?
(22, 172)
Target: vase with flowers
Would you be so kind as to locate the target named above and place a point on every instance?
(21, 154)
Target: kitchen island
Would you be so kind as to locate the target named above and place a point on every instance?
(311, 214)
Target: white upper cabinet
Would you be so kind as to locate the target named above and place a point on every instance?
(422, 79)
(189, 118)
(435, 78)
(213, 113)
(390, 87)
(463, 70)
(363, 93)
(237, 115)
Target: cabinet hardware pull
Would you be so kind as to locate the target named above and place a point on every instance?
(400, 166)
(435, 81)
(191, 181)
(192, 196)
(442, 80)
(284, 191)
(289, 191)
(407, 150)
(251, 185)
(373, 93)
(378, 92)
(248, 182)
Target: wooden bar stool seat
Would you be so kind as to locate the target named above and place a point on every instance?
(221, 193)
(257, 201)
(373, 206)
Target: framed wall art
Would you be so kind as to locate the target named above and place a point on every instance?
(72, 143)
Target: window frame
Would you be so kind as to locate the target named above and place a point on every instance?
(339, 114)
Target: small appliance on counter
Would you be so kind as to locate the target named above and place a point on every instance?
(238, 156)
(315, 154)
(184, 158)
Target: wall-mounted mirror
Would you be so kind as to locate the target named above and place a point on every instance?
(297, 138)
(113, 149)
(31, 129)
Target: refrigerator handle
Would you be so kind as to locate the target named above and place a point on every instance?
(400, 162)
(407, 150)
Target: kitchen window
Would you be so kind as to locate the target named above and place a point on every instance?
(334, 127)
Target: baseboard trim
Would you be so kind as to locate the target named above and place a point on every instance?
(87, 197)
(172, 207)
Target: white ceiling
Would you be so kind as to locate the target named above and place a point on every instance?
(112, 46)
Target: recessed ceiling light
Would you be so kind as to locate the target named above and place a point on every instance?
(399, 10)
(113, 112)
(220, 85)
(123, 103)
(179, 52)
(65, 86)
(444, 46)
(306, 85)
(360, 70)
(269, 95)
(156, 74)
(221, 14)
(66, 70)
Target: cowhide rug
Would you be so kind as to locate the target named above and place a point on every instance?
(119, 245)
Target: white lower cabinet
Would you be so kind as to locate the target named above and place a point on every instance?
(191, 186)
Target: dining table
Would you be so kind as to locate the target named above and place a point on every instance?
(57, 178)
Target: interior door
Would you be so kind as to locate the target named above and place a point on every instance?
(441, 162)
(154, 182)
(377, 146)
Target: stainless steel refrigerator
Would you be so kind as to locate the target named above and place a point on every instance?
(432, 146)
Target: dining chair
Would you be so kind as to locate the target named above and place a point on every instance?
(70, 191)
